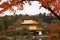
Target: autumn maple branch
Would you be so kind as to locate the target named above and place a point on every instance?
(54, 13)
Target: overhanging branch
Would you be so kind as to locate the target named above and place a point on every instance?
(54, 13)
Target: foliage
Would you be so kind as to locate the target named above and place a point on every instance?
(24, 31)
